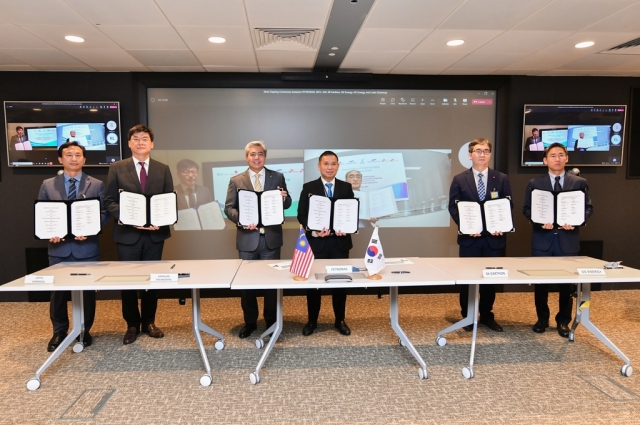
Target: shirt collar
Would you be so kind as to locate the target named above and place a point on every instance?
(77, 177)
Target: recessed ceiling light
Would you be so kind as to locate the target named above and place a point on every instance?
(584, 44)
(217, 40)
(334, 48)
(37, 109)
(93, 110)
(74, 38)
(455, 42)
(332, 54)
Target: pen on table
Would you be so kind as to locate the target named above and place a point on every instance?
(80, 274)
(171, 268)
(400, 272)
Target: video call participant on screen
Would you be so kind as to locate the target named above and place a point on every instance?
(253, 242)
(71, 184)
(19, 137)
(548, 240)
(582, 144)
(479, 183)
(139, 174)
(190, 195)
(354, 177)
(326, 244)
(533, 140)
(73, 138)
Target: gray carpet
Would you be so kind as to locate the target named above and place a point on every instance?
(366, 378)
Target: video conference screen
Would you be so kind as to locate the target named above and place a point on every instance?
(592, 134)
(398, 148)
(35, 130)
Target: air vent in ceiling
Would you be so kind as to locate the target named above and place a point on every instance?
(632, 43)
(286, 38)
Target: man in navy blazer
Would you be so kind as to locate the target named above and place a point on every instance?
(253, 242)
(549, 240)
(72, 183)
(325, 243)
(467, 186)
(135, 243)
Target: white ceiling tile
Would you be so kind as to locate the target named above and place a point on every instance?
(109, 68)
(144, 38)
(14, 37)
(54, 35)
(165, 57)
(517, 72)
(384, 39)
(365, 70)
(539, 62)
(624, 21)
(66, 68)
(6, 59)
(367, 60)
(121, 12)
(18, 68)
(567, 73)
(42, 57)
(288, 13)
(437, 40)
(595, 62)
(522, 41)
(286, 59)
(485, 61)
(40, 12)
(417, 71)
(426, 14)
(197, 38)
(106, 57)
(417, 60)
(452, 71)
(226, 57)
(603, 41)
(177, 69)
(210, 68)
(212, 13)
(491, 14)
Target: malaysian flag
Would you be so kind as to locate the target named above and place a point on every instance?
(302, 256)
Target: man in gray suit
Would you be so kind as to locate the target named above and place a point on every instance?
(253, 242)
(190, 195)
(71, 184)
(19, 137)
(138, 174)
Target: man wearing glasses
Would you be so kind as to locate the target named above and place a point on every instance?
(478, 184)
(190, 195)
(549, 240)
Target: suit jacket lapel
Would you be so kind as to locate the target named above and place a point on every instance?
(246, 181)
(58, 183)
(85, 183)
(471, 181)
(131, 169)
(269, 181)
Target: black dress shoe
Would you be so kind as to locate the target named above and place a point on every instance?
(492, 324)
(342, 327)
(87, 340)
(55, 340)
(309, 328)
(153, 331)
(563, 330)
(540, 326)
(246, 330)
(130, 336)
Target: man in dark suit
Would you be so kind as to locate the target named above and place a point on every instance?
(190, 195)
(532, 140)
(549, 240)
(139, 174)
(253, 242)
(326, 244)
(19, 137)
(71, 184)
(478, 184)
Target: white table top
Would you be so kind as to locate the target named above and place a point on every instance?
(257, 274)
(203, 274)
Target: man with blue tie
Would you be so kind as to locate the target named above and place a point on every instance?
(478, 184)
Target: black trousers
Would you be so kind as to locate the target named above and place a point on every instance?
(338, 295)
(248, 297)
(143, 250)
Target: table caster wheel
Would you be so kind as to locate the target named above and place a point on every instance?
(259, 344)
(254, 378)
(205, 380)
(572, 337)
(467, 372)
(626, 370)
(401, 342)
(422, 373)
(33, 384)
(441, 341)
(78, 347)
(219, 345)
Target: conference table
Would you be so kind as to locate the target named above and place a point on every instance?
(258, 274)
(123, 275)
(534, 270)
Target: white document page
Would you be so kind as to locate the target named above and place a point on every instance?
(319, 213)
(541, 206)
(345, 215)
(364, 203)
(247, 208)
(133, 209)
(164, 209)
(497, 215)
(85, 217)
(470, 218)
(51, 220)
(187, 220)
(382, 202)
(571, 208)
(211, 216)
(271, 207)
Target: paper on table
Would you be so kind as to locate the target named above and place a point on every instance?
(164, 209)
(271, 207)
(345, 215)
(470, 218)
(541, 206)
(571, 208)
(85, 217)
(319, 213)
(497, 215)
(133, 209)
(51, 220)
(247, 208)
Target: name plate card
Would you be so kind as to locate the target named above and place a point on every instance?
(339, 269)
(493, 273)
(34, 279)
(591, 272)
(164, 277)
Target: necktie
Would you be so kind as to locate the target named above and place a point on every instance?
(143, 177)
(556, 185)
(192, 198)
(73, 194)
(482, 192)
(329, 192)
(256, 184)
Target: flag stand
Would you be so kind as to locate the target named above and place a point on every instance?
(375, 277)
(299, 278)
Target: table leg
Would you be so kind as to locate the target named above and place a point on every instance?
(76, 330)
(276, 328)
(472, 311)
(471, 318)
(199, 326)
(583, 308)
(403, 339)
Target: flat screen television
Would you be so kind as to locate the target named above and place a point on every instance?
(35, 130)
(593, 134)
